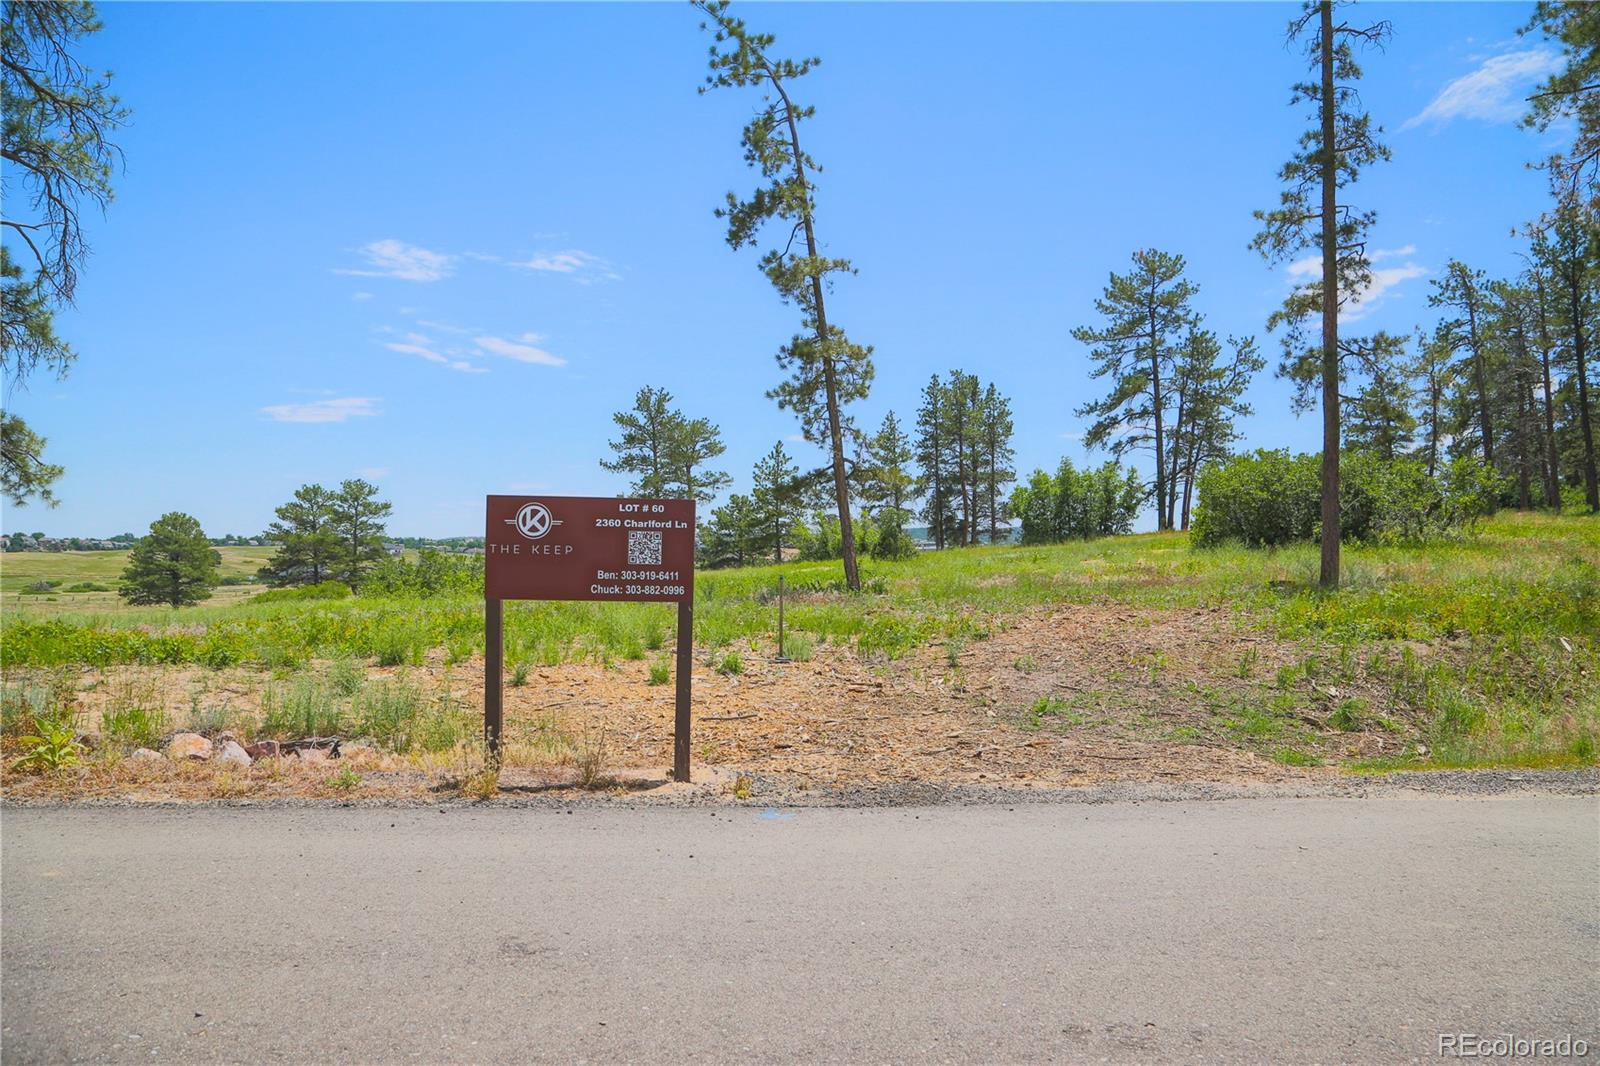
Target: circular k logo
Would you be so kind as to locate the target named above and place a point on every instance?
(533, 520)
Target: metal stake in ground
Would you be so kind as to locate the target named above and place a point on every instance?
(680, 728)
(782, 658)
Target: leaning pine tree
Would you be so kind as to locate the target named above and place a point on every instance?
(826, 371)
(1310, 215)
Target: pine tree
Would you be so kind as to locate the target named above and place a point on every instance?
(1461, 289)
(356, 517)
(308, 546)
(1435, 374)
(1210, 400)
(728, 538)
(997, 456)
(933, 452)
(1572, 256)
(58, 113)
(1379, 418)
(1309, 215)
(779, 497)
(1536, 278)
(889, 486)
(650, 432)
(1147, 315)
(693, 443)
(826, 370)
(174, 564)
(1571, 93)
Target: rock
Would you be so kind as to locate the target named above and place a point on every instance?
(146, 755)
(263, 749)
(233, 754)
(190, 746)
(313, 755)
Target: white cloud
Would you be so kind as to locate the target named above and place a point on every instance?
(1492, 93)
(422, 347)
(523, 353)
(396, 259)
(335, 410)
(583, 266)
(373, 472)
(361, 296)
(444, 327)
(1382, 282)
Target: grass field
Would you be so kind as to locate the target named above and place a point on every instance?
(18, 570)
(1480, 651)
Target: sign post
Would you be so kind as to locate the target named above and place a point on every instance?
(587, 548)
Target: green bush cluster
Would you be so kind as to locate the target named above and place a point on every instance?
(433, 573)
(1269, 498)
(323, 590)
(1077, 505)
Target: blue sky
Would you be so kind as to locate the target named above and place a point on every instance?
(437, 246)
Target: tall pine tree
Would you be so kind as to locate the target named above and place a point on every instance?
(1311, 214)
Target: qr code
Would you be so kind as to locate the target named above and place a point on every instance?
(644, 548)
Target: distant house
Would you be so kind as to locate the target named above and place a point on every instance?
(394, 548)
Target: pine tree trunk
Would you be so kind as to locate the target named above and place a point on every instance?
(1163, 515)
(1591, 489)
(830, 383)
(1329, 576)
(1552, 479)
(1480, 379)
(1524, 475)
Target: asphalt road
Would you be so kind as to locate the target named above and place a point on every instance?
(1250, 931)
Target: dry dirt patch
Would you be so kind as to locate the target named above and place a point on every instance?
(1064, 696)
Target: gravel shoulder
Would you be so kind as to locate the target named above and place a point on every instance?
(772, 790)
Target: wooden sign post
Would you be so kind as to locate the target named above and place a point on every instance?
(587, 548)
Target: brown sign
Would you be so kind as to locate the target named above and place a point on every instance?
(588, 548)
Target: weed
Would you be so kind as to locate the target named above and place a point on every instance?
(346, 780)
(387, 712)
(482, 783)
(952, 652)
(134, 727)
(345, 677)
(660, 672)
(743, 787)
(1247, 663)
(590, 758)
(519, 675)
(1349, 715)
(799, 647)
(1025, 665)
(730, 665)
(133, 716)
(54, 747)
(1296, 757)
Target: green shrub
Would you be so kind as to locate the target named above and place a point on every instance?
(134, 727)
(306, 709)
(387, 712)
(661, 672)
(1270, 498)
(434, 573)
(799, 647)
(88, 586)
(731, 664)
(323, 590)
